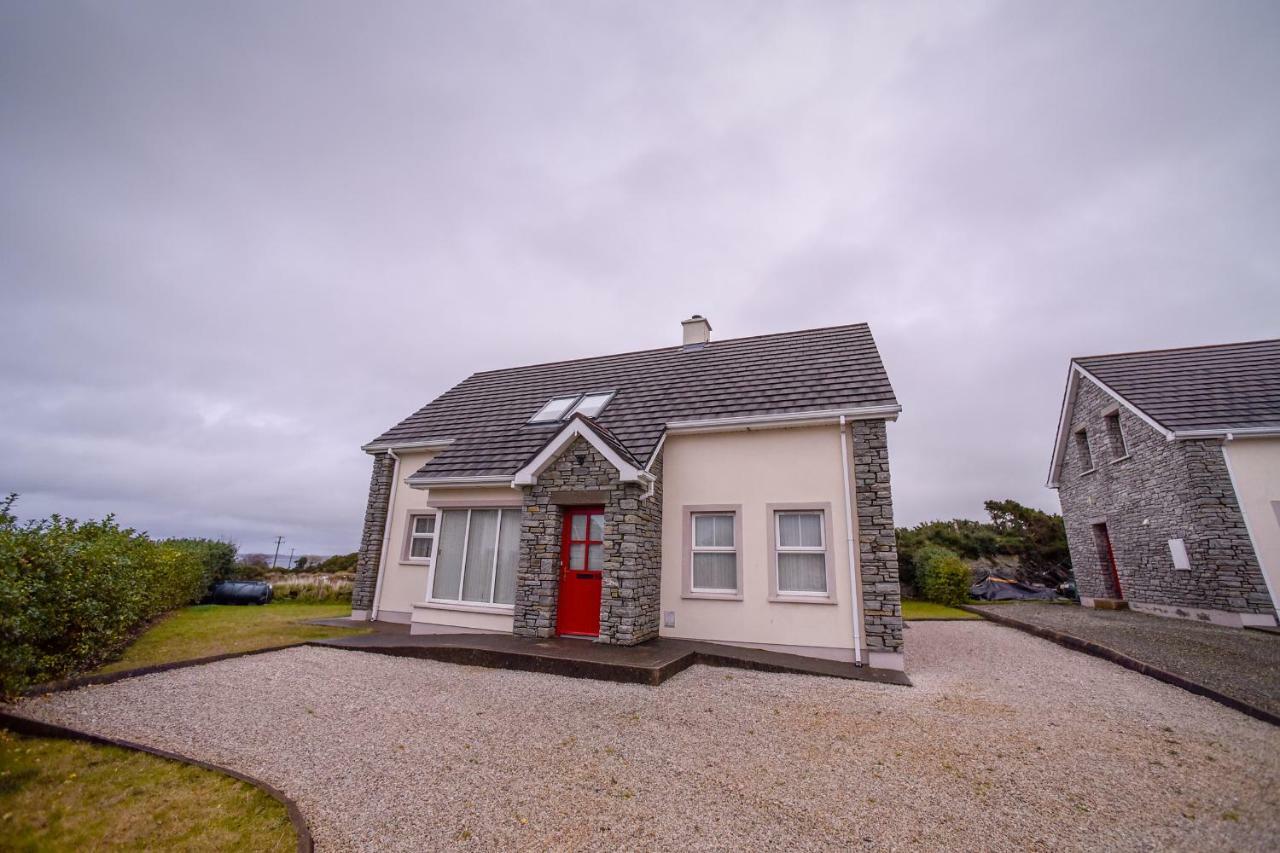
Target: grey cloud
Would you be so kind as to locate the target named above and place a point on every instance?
(237, 240)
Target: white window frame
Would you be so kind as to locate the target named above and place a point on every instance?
(823, 510)
(574, 399)
(695, 549)
(458, 603)
(411, 521)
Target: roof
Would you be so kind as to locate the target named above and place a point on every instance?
(1183, 393)
(1225, 387)
(485, 417)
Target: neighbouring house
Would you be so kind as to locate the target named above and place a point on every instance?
(730, 491)
(1167, 464)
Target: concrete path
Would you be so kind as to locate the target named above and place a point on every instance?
(1241, 664)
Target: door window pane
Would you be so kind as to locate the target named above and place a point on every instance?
(578, 527)
(597, 527)
(595, 558)
(576, 556)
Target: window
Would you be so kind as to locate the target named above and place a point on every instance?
(801, 552)
(592, 404)
(714, 560)
(476, 556)
(421, 537)
(554, 410)
(1082, 450)
(1116, 436)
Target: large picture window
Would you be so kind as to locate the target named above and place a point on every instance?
(476, 556)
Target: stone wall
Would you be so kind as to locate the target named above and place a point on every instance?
(629, 598)
(877, 542)
(1160, 490)
(375, 525)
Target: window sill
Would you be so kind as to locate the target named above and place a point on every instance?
(1122, 458)
(712, 596)
(783, 598)
(415, 562)
(499, 609)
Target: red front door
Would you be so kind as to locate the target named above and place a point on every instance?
(581, 561)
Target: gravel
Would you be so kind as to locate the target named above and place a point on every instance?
(1006, 742)
(1242, 664)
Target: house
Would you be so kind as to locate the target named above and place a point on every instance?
(1167, 464)
(730, 491)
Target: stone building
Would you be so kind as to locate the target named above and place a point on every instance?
(1167, 464)
(732, 491)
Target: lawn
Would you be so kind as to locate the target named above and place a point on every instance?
(65, 795)
(215, 629)
(915, 610)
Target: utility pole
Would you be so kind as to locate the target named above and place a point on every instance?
(279, 539)
(290, 559)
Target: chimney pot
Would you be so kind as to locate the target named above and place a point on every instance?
(697, 332)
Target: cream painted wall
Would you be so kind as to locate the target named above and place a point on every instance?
(755, 469)
(405, 584)
(1255, 469)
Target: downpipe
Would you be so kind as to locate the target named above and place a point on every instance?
(848, 528)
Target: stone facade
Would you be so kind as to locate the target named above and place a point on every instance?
(632, 568)
(375, 525)
(877, 542)
(1147, 492)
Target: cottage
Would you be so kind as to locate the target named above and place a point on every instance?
(1167, 464)
(729, 491)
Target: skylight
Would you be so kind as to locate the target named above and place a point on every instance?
(555, 409)
(561, 408)
(592, 404)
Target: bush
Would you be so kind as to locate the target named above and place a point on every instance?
(312, 589)
(73, 594)
(338, 563)
(218, 558)
(941, 576)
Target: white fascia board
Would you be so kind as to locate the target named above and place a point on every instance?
(528, 475)
(1246, 432)
(439, 482)
(653, 457)
(1064, 424)
(401, 446)
(785, 419)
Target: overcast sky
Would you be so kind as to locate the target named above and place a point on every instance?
(238, 240)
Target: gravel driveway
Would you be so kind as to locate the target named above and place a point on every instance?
(1006, 742)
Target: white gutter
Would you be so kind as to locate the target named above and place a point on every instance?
(848, 527)
(481, 480)
(1228, 434)
(386, 535)
(427, 444)
(785, 419)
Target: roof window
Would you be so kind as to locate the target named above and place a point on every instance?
(561, 408)
(555, 409)
(593, 404)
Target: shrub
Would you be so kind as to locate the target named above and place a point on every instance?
(338, 563)
(73, 594)
(941, 576)
(218, 558)
(312, 589)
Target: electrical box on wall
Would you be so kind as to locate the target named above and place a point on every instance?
(668, 619)
(1178, 549)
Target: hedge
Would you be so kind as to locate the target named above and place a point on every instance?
(73, 594)
(941, 576)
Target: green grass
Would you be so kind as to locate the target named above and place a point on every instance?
(215, 629)
(914, 610)
(64, 795)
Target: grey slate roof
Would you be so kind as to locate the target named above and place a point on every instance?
(487, 414)
(1231, 386)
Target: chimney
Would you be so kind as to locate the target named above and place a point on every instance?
(697, 332)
